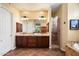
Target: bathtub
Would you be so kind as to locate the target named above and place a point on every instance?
(76, 46)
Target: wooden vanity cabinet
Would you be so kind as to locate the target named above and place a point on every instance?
(32, 41)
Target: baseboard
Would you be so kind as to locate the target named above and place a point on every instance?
(62, 49)
(13, 48)
(50, 47)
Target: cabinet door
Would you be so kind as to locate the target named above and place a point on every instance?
(24, 42)
(32, 42)
(45, 41)
(19, 41)
(39, 38)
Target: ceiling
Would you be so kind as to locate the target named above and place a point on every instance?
(36, 6)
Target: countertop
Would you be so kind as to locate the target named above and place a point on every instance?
(32, 34)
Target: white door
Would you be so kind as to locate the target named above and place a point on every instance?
(5, 31)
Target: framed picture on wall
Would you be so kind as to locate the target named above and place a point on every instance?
(74, 24)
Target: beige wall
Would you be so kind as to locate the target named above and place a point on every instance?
(15, 12)
(35, 14)
(62, 15)
(65, 13)
(73, 13)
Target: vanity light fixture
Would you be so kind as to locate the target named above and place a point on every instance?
(24, 18)
(42, 18)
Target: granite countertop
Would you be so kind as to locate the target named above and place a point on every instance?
(32, 34)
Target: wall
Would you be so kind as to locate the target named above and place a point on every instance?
(73, 13)
(14, 11)
(15, 18)
(35, 14)
(62, 16)
(65, 13)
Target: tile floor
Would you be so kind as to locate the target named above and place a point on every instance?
(35, 52)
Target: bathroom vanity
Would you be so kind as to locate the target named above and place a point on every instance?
(36, 40)
(34, 34)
